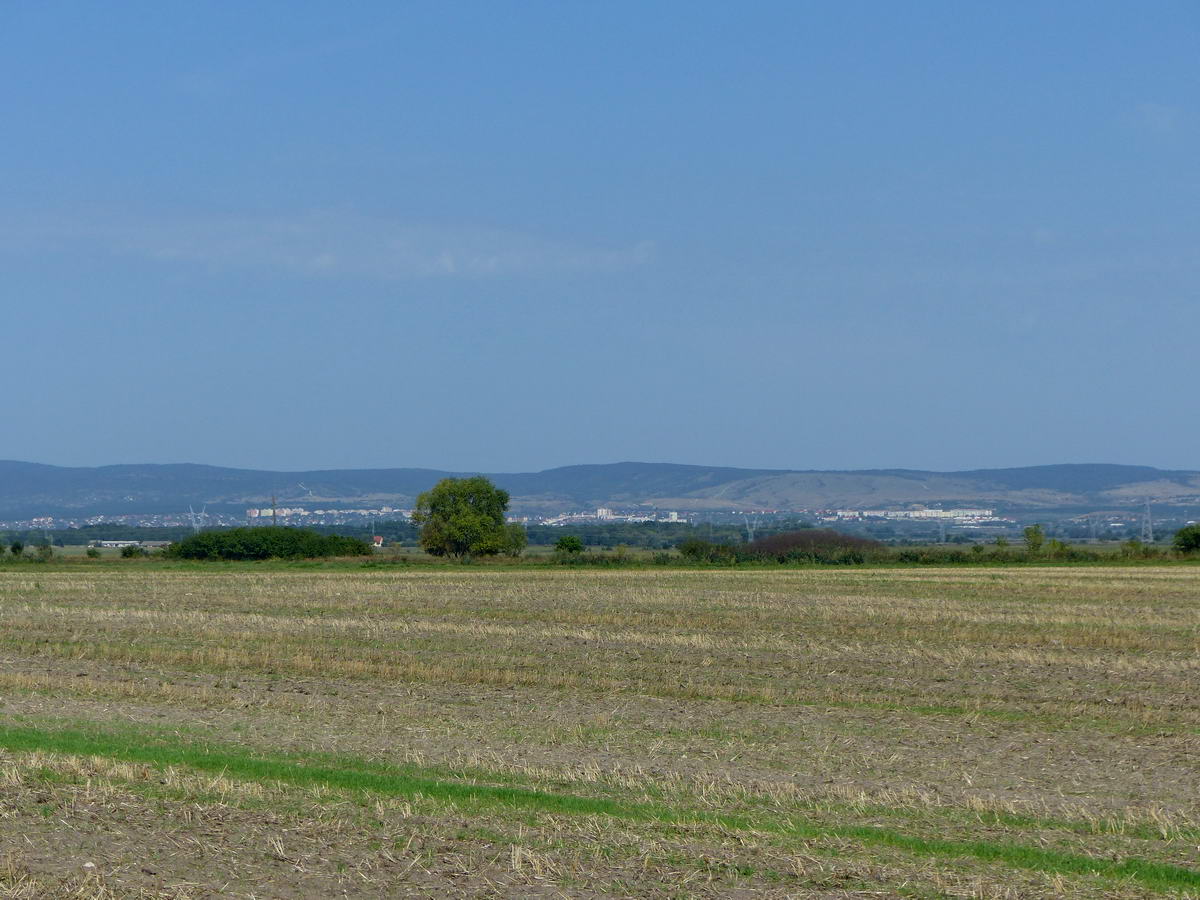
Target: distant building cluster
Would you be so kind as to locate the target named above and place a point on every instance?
(140, 520)
(955, 515)
(605, 514)
(299, 515)
(146, 545)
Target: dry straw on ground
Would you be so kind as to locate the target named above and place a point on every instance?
(1050, 708)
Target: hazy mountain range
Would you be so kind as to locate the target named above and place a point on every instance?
(32, 489)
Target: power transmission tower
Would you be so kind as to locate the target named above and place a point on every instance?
(198, 521)
(1147, 525)
(751, 525)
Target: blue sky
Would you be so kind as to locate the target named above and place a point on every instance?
(510, 236)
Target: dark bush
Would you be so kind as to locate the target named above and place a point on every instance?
(817, 545)
(935, 556)
(569, 543)
(1003, 553)
(832, 557)
(591, 559)
(267, 543)
(1187, 538)
(697, 550)
(1135, 549)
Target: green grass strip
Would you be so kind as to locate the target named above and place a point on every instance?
(357, 775)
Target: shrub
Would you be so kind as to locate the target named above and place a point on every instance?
(131, 552)
(1034, 536)
(267, 543)
(1187, 538)
(1077, 554)
(935, 556)
(516, 539)
(1135, 549)
(817, 545)
(698, 550)
(1058, 549)
(568, 543)
(1004, 554)
(92, 552)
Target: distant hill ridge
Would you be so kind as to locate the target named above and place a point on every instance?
(33, 489)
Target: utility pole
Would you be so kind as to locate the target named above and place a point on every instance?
(274, 513)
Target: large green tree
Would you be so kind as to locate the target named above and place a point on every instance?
(462, 517)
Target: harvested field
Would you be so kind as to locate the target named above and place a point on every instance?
(264, 731)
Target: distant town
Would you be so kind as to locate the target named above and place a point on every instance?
(303, 516)
(912, 523)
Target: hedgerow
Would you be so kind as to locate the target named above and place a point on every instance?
(266, 543)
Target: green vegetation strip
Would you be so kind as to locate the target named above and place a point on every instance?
(358, 775)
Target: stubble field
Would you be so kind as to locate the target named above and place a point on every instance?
(327, 732)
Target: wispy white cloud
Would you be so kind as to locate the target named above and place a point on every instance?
(325, 245)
